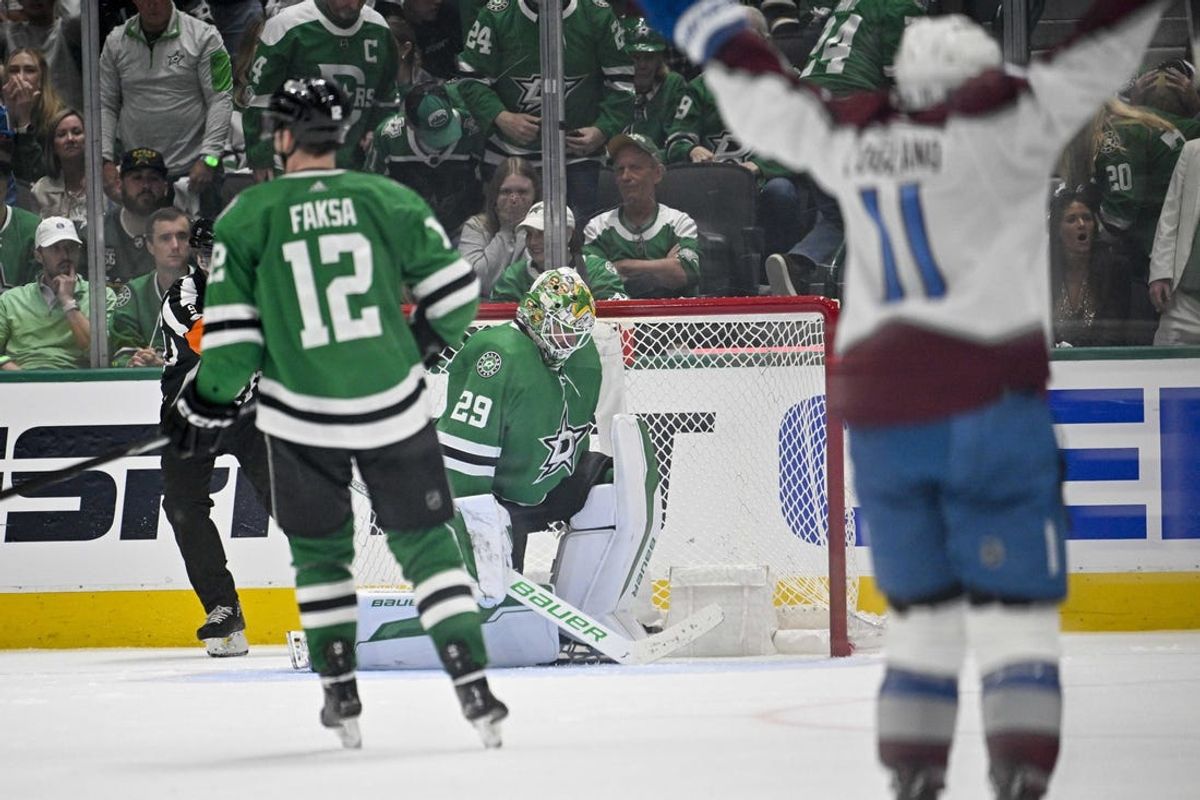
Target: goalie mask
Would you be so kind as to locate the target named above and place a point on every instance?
(939, 54)
(558, 314)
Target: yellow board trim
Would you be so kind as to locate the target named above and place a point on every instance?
(169, 618)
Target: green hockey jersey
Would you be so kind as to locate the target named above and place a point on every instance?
(448, 179)
(598, 273)
(1133, 168)
(17, 264)
(858, 45)
(609, 237)
(301, 42)
(654, 112)
(307, 279)
(501, 67)
(698, 121)
(512, 426)
(135, 321)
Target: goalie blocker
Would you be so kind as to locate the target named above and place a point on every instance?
(598, 574)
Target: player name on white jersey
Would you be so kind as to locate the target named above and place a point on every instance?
(896, 156)
(332, 212)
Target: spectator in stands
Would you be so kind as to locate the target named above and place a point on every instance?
(62, 191)
(698, 134)
(657, 89)
(51, 29)
(410, 67)
(1175, 261)
(143, 190)
(501, 70)
(17, 227)
(1133, 153)
(438, 28)
(44, 323)
(492, 239)
(654, 248)
(235, 20)
(32, 104)
(136, 336)
(433, 146)
(854, 53)
(597, 272)
(1167, 89)
(1090, 283)
(166, 83)
(310, 39)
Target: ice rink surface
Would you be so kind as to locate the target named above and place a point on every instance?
(142, 724)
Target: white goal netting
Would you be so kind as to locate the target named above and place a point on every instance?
(733, 392)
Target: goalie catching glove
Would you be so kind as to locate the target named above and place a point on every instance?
(194, 426)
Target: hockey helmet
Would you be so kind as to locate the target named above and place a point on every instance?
(558, 313)
(315, 110)
(202, 241)
(937, 55)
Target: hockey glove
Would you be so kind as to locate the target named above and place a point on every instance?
(698, 27)
(428, 341)
(194, 426)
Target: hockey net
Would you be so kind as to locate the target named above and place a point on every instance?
(733, 393)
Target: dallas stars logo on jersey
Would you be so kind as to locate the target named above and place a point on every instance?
(561, 446)
(530, 101)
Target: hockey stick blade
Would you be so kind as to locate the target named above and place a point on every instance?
(591, 632)
(138, 448)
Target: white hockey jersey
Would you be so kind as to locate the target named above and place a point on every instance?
(947, 297)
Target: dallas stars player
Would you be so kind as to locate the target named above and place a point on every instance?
(338, 40)
(520, 403)
(307, 277)
(501, 67)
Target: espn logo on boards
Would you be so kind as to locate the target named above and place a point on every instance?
(125, 495)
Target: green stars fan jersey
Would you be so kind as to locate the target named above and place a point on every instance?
(608, 236)
(301, 42)
(1133, 169)
(653, 113)
(512, 426)
(598, 273)
(448, 179)
(858, 45)
(501, 68)
(307, 280)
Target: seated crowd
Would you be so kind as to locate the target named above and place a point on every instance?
(447, 100)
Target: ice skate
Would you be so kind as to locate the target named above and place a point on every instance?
(924, 783)
(342, 709)
(1020, 782)
(223, 632)
(479, 705)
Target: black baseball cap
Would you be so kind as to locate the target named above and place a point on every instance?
(143, 158)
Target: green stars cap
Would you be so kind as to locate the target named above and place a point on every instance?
(617, 143)
(437, 123)
(641, 38)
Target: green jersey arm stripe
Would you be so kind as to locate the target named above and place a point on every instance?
(457, 462)
(447, 290)
(229, 312)
(224, 334)
(471, 451)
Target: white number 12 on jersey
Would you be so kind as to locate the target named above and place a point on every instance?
(331, 247)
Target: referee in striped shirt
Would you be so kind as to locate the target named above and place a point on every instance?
(186, 481)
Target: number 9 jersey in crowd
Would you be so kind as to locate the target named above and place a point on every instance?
(947, 294)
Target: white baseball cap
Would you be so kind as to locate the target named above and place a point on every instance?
(536, 218)
(52, 230)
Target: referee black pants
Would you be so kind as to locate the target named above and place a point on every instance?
(188, 504)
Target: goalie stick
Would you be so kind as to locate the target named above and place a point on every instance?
(579, 625)
(138, 448)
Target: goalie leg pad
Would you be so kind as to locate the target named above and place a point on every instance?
(918, 700)
(489, 528)
(602, 561)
